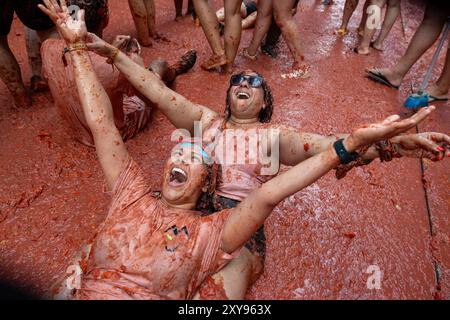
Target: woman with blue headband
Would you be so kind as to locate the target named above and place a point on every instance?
(142, 233)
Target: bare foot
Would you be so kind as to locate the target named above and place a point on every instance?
(228, 69)
(361, 50)
(121, 41)
(298, 71)
(145, 42)
(214, 62)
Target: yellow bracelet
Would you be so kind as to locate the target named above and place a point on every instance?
(77, 46)
(73, 47)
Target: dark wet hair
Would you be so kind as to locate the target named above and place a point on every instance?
(265, 115)
(206, 201)
(96, 13)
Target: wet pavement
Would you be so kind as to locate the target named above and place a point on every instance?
(323, 243)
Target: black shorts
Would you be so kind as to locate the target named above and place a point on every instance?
(257, 243)
(27, 11)
(250, 6)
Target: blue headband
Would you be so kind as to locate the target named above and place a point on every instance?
(190, 144)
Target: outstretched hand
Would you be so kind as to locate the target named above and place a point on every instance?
(70, 29)
(431, 145)
(100, 46)
(388, 128)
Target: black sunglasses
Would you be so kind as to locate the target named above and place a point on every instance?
(253, 81)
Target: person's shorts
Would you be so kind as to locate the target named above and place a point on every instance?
(251, 7)
(28, 13)
(137, 116)
(6, 16)
(257, 243)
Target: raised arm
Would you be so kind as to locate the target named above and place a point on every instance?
(181, 112)
(97, 108)
(251, 213)
(296, 146)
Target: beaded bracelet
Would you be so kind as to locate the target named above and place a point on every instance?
(73, 47)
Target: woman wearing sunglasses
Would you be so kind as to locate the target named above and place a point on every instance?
(249, 108)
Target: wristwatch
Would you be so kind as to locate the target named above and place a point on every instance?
(345, 156)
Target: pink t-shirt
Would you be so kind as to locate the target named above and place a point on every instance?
(147, 250)
(238, 153)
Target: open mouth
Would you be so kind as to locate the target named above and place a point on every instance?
(242, 95)
(177, 177)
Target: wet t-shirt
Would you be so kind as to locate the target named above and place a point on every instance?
(147, 250)
(61, 80)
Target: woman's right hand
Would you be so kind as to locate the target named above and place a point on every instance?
(388, 128)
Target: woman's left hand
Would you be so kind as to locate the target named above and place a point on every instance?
(70, 29)
(431, 145)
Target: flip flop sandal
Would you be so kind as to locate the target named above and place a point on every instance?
(214, 62)
(377, 76)
(341, 32)
(37, 84)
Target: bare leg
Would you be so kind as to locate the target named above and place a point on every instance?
(393, 10)
(236, 277)
(233, 30)
(11, 76)
(349, 8)
(190, 8)
(263, 22)
(150, 8)
(34, 40)
(369, 30)
(178, 9)
(289, 30)
(427, 33)
(360, 29)
(440, 88)
(210, 26)
(139, 13)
